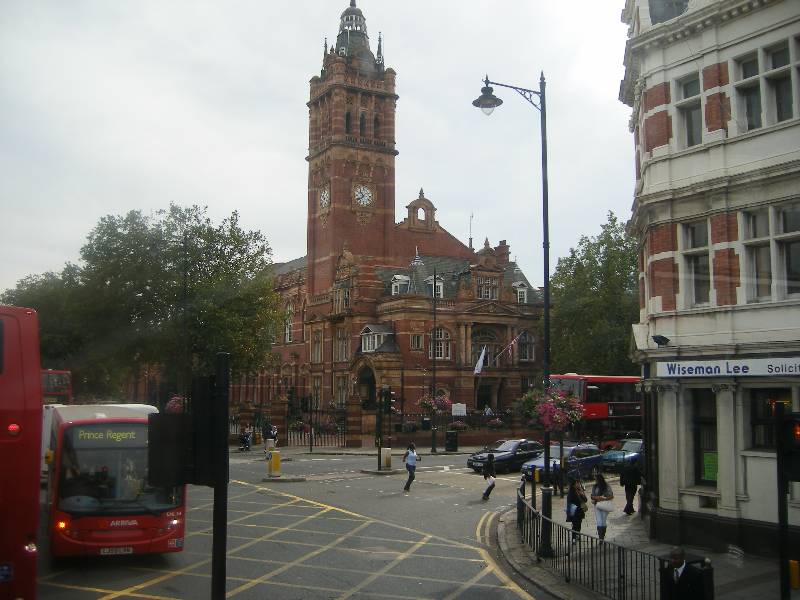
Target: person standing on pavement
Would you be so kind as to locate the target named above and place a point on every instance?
(489, 474)
(630, 479)
(576, 506)
(410, 458)
(602, 497)
(680, 581)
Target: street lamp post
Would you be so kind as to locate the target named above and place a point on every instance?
(433, 366)
(487, 102)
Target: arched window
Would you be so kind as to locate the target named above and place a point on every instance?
(347, 122)
(376, 127)
(440, 344)
(362, 125)
(287, 327)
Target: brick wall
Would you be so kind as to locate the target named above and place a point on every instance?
(718, 111)
(657, 130)
(726, 276)
(657, 95)
(715, 75)
(664, 282)
(662, 238)
(724, 228)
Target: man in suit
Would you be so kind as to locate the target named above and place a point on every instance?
(631, 479)
(680, 581)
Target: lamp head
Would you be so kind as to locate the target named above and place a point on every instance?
(661, 340)
(487, 101)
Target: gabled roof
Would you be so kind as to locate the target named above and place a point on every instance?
(377, 328)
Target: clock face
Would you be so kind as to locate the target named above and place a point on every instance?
(325, 197)
(362, 195)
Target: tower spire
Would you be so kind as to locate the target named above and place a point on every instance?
(379, 57)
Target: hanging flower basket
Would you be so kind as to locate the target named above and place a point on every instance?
(552, 410)
(438, 405)
(175, 404)
(458, 426)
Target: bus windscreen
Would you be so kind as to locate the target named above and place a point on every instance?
(573, 387)
(103, 470)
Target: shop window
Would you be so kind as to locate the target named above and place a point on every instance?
(762, 414)
(704, 426)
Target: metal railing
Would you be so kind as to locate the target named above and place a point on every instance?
(603, 567)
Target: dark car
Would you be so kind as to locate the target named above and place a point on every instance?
(508, 456)
(580, 459)
(615, 460)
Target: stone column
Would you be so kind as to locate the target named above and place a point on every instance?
(353, 418)
(726, 449)
(668, 427)
(468, 342)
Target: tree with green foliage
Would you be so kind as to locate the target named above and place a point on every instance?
(595, 301)
(171, 289)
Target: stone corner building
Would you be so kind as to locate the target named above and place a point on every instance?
(359, 304)
(715, 91)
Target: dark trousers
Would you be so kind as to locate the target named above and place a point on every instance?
(576, 526)
(410, 469)
(630, 496)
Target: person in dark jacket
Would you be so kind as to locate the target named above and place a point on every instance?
(576, 506)
(489, 475)
(680, 581)
(631, 479)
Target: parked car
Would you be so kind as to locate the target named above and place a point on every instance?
(615, 460)
(580, 459)
(508, 456)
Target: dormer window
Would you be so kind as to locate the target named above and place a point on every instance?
(400, 284)
(439, 287)
(522, 292)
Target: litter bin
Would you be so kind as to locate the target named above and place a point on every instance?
(451, 441)
(426, 424)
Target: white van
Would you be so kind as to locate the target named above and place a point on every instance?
(47, 420)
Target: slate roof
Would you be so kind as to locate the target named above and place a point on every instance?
(288, 267)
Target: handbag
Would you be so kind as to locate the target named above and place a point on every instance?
(584, 507)
(604, 505)
(571, 508)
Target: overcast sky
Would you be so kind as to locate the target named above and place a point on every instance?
(108, 106)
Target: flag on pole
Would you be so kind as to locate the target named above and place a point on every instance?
(479, 364)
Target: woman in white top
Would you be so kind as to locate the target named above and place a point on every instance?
(410, 457)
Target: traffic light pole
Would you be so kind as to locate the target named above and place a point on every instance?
(221, 476)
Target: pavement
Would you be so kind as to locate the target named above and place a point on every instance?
(737, 576)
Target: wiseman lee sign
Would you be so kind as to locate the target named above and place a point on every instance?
(753, 367)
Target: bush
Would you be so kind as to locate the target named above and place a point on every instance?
(299, 427)
(458, 426)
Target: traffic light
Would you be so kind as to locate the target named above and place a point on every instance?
(789, 445)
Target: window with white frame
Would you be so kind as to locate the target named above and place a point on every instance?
(439, 287)
(696, 261)
(341, 391)
(748, 92)
(522, 292)
(772, 250)
(316, 347)
(689, 111)
(400, 284)
(371, 341)
(440, 344)
(526, 348)
(416, 341)
(789, 246)
(342, 345)
(487, 287)
(778, 79)
(758, 253)
(287, 323)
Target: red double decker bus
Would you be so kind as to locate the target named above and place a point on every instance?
(56, 386)
(20, 439)
(98, 497)
(612, 404)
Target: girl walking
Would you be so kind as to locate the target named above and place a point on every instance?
(488, 475)
(576, 506)
(410, 457)
(602, 497)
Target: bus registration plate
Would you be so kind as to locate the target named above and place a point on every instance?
(119, 550)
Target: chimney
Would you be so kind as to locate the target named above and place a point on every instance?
(503, 251)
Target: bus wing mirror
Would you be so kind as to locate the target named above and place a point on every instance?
(48, 456)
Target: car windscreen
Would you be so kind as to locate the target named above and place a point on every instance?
(104, 471)
(507, 446)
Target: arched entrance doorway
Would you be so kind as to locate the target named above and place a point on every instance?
(366, 387)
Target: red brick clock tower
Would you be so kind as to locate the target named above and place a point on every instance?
(351, 158)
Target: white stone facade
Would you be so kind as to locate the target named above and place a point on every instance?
(715, 93)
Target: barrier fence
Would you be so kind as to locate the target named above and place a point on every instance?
(603, 567)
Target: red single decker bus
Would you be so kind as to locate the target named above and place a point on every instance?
(612, 404)
(98, 497)
(56, 386)
(20, 439)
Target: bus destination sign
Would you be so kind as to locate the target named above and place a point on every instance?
(115, 435)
